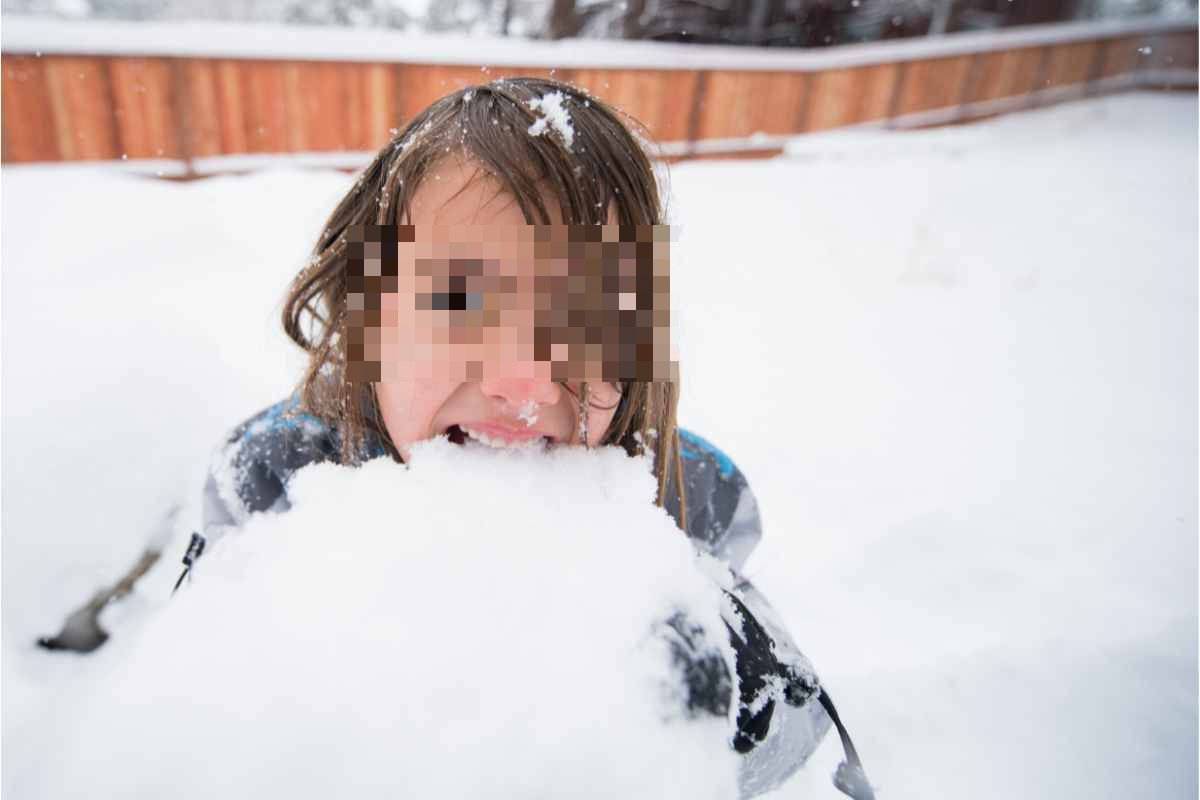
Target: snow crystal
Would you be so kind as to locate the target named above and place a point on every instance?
(554, 115)
(528, 413)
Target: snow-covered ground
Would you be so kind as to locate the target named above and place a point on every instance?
(959, 368)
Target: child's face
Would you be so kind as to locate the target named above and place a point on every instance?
(456, 348)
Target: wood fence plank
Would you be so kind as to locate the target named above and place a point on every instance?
(933, 83)
(379, 97)
(835, 98)
(1070, 64)
(725, 111)
(82, 104)
(1173, 51)
(620, 91)
(203, 107)
(455, 77)
(28, 119)
(850, 96)
(755, 103)
(159, 103)
(56, 97)
(675, 104)
(230, 108)
(1006, 73)
(336, 116)
(879, 94)
(128, 88)
(264, 106)
(318, 115)
(587, 80)
(1121, 56)
(351, 90)
(297, 79)
(783, 93)
(142, 97)
(644, 101)
(748, 105)
(659, 100)
(1026, 70)
(604, 84)
(418, 85)
(1188, 50)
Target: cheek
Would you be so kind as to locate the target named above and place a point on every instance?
(398, 351)
(408, 408)
(598, 421)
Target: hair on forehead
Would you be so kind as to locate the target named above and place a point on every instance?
(589, 163)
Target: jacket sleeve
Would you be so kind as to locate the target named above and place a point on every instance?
(722, 512)
(250, 470)
(780, 720)
(241, 480)
(775, 698)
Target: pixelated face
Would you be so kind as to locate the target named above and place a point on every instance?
(490, 326)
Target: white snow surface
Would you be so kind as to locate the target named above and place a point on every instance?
(423, 632)
(958, 367)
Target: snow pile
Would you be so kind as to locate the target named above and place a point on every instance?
(481, 625)
(554, 116)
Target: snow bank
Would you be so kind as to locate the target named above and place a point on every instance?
(959, 368)
(478, 626)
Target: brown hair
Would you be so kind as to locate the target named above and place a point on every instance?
(603, 169)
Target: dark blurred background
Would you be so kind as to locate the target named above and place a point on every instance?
(764, 23)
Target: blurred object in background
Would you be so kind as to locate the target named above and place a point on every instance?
(395, 14)
(763, 23)
(821, 23)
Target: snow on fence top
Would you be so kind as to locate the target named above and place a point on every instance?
(263, 41)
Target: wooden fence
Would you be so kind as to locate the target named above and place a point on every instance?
(192, 109)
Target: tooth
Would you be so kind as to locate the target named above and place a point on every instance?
(501, 444)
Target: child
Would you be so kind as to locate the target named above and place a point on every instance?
(438, 303)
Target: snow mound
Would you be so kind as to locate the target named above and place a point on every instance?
(478, 625)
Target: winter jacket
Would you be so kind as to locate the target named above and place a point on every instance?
(779, 719)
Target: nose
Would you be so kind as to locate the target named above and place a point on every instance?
(519, 391)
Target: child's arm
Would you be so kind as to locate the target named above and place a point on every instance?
(780, 720)
(250, 471)
(776, 704)
(722, 513)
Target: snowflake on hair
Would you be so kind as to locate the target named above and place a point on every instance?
(553, 115)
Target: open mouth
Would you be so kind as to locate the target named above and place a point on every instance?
(467, 435)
